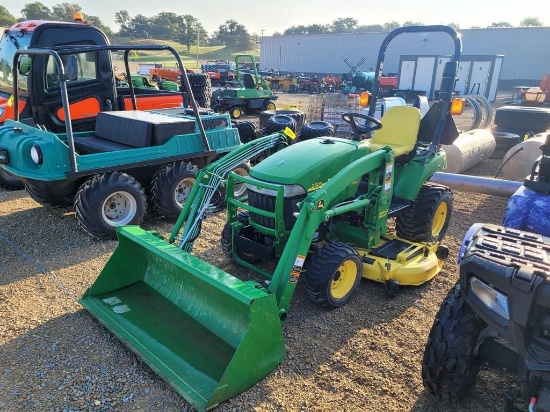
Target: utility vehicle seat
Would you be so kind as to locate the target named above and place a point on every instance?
(399, 130)
(248, 81)
(132, 129)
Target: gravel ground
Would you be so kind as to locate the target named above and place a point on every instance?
(365, 356)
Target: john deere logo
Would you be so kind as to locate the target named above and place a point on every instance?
(320, 205)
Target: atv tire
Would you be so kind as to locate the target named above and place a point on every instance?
(170, 188)
(247, 130)
(9, 181)
(279, 122)
(47, 199)
(427, 219)
(298, 116)
(316, 129)
(107, 201)
(450, 364)
(334, 274)
(226, 240)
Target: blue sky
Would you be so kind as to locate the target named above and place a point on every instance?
(278, 15)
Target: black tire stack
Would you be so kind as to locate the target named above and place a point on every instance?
(201, 88)
(279, 122)
(298, 116)
(247, 130)
(316, 129)
(504, 142)
(522, 120)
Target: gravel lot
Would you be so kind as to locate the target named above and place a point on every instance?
(365, 356)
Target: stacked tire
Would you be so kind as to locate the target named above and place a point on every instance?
(279, 122)
(201, 88)
(298, 116)
(316, 129)
(504, 142)
(522, 120)
(247, 130)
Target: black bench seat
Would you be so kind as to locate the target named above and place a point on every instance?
(132, 129)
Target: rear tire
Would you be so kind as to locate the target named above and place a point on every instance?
(235, 112)
(269, 105)
(107, 201)
(334, 274)
(170, 188)
(9, 181)
(427, 219)
(449, 366)
(46, 199)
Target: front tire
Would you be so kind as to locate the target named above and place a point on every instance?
(428, 217)
(107, 201)
(46, 199)
(235, 112)
(450, 366)
(170, 188)
(269, 105)
(334, 274)
(227, 240)
(9, 181)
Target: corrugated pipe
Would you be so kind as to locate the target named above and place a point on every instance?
(483, 185)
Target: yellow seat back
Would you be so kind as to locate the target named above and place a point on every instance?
(399, 130)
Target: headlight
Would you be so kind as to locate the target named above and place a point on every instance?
(36, 154)
(494, 300)
(290, 190)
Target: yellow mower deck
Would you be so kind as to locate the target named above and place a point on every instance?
(400, 260)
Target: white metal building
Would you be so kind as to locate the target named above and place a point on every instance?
(526, 51)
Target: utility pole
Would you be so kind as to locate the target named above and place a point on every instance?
(262, 31)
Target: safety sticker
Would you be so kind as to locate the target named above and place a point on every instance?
(299, 263)
(294, 276)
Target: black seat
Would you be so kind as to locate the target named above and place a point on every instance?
(248, 81)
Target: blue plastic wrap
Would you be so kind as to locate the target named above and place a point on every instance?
(528, 210)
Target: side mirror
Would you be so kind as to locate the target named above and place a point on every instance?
(71, 68)
(24, 65)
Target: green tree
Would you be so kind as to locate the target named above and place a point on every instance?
(344, 25)
(392, 25)
(531, 22)
(6, 19)
(36, 11)
(234, 34)
(65, 11)
(165, 26)
(311, 29)
(191, 31)
(96, 21)
(499, 25)
(455, 26)
(123, 19)
(412, 23)
(370, 28)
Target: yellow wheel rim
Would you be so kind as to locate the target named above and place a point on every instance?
(439, 219)
(236, 113)
(343, 279)
(271, 106)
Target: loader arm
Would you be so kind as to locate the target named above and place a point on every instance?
(313, 213)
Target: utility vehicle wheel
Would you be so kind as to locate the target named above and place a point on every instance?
(9, 181)
(170, 188)
(269, 105)
(46, 199)
(218, 109)
(450, 366)
(235, 112)
(427, 219)
(334, 274)
(106, 201)
(227, 240)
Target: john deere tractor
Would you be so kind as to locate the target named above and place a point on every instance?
(318, 209)
(252, 95)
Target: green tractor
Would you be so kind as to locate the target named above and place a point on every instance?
(318, 209)
(252, 95)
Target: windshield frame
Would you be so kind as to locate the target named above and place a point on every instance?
(10, 42)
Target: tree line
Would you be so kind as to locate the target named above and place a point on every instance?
(189, 31)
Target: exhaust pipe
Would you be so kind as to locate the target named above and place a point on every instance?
(483, 185)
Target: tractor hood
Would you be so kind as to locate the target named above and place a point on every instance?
(309, 164)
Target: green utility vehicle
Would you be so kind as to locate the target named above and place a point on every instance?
(106, 172)
(318, 209)
(252, 95)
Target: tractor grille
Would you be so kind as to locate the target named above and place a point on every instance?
(215, 123)
(267, 202)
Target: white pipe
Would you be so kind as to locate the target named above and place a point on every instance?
(483, 185)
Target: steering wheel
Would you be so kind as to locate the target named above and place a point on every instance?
(359, 128)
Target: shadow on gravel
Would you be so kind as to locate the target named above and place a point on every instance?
(73, 363)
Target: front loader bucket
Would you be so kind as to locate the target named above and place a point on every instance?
(208, 334)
